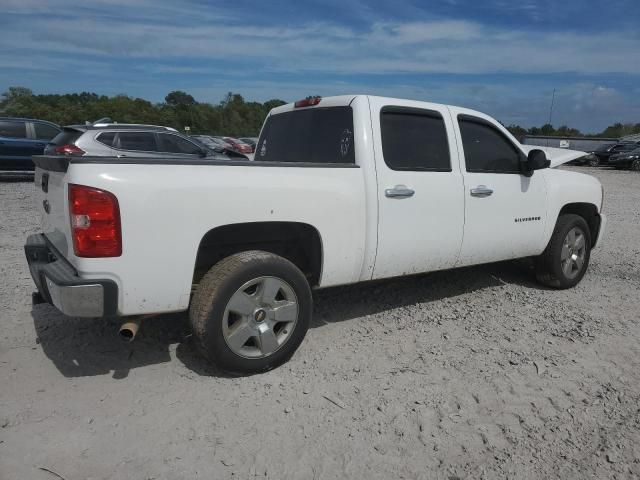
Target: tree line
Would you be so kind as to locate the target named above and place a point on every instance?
(616, 130)
(233, 116)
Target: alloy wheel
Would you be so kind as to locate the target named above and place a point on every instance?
(260, 317)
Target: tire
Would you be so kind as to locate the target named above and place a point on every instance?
(635, 165)
(253, 294)
(593, 162)
(555, 271)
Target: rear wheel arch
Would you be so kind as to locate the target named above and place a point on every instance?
(298, 242)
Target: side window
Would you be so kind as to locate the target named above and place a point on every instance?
(414, 139)
(141, 141)
(175, 144)
(106, 138)
(486, 149)
(44, 131)
(13, 129)
(625, 147)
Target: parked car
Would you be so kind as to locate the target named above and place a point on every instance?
(218, 146)
(601, 155)
(20, 139)
(213, 142)
(237, 145)
(630, 160)
(343, 190)
(251, 141)
(126, 140)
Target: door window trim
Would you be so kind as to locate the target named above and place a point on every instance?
(486, 123)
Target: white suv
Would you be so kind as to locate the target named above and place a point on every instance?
(126, 140)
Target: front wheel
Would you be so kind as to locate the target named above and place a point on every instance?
(593, 162)
(635, 165)
(566, 258)
(250, 312)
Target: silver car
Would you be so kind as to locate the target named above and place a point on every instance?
(127, 140)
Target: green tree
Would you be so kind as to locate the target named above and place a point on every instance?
(178, 97)
(547, 129)
(517, 131)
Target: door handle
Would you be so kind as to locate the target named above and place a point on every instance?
(481, 191)
(120, 155)
(399, 191)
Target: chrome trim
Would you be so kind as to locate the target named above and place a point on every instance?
(481, 191)
(77, 300)
(399, 191)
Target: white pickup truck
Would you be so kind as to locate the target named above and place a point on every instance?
(343, 189)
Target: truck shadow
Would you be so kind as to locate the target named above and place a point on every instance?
(352, 301)
(81, 347)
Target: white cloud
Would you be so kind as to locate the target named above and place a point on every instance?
(447, 46)
(90, 44)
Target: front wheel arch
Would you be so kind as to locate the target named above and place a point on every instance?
(589, 212)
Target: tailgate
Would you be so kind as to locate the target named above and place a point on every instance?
(51, 202)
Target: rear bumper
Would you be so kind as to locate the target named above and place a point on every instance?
(58, 282)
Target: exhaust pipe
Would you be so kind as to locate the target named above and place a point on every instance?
(129, 329)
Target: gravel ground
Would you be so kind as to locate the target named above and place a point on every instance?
(474, 373)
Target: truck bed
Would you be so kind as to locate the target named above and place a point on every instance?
(167, 206)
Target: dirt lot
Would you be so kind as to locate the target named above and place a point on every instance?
(475, 373)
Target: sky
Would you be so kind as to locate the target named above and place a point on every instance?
(502, 57)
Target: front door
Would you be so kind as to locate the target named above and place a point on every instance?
(420, 189)
(505, 211)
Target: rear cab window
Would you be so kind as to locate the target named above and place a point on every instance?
(313, 135)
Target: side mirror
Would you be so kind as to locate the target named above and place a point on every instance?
(536, 160)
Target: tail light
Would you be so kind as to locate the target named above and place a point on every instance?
(69, 149)
(307, 102)
(95, 222)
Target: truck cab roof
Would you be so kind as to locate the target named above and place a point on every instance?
(346, 100)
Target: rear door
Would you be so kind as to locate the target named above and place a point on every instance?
(15, 146)
(505, 211)
(420, 188)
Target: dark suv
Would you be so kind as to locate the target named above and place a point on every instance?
(601, 156)
(20, 138)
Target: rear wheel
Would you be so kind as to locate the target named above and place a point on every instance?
(635, 165)
(250, 312)
(566, 258)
